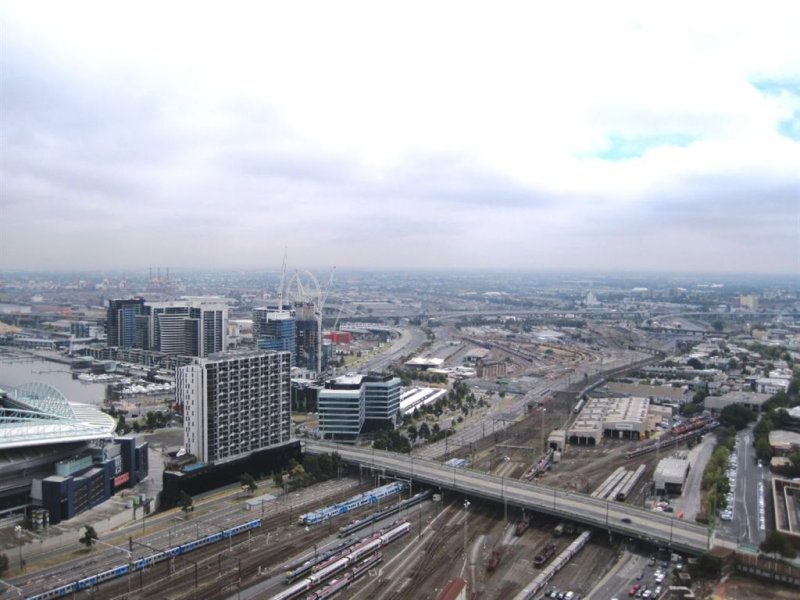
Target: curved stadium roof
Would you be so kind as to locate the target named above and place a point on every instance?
(37, 413)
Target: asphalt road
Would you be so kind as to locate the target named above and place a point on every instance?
(410, 339)
(752, 514)
(621, 518)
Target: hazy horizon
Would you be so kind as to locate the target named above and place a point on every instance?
(617, 138)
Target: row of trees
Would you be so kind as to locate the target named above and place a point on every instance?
(736, 416)
(313, 469)
(393, 441)
(407, 376)
(153, 420)
(715, 477)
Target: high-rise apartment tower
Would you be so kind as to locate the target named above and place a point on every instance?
(235, 403)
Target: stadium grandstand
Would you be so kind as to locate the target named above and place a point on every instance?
(59, 457)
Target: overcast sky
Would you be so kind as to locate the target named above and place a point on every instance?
(582, 135)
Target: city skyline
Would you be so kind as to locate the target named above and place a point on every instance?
(620, 137)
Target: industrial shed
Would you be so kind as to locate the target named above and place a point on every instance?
(751, 400)
(670, 475)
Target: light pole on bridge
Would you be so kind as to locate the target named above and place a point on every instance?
(466, 517)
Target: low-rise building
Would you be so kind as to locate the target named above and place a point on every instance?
(752, 400)
(491, 369)
(770, 385)
(783, 443)
(670, 475)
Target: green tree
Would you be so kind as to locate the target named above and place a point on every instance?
(736, 415)
(709, 566)
(695, 364)
(277, 479)
(89, 536)
(424, 431)
(412, 434)
(151, 420)
(689, 410)
(249, 482)
(777, 543)
(186, 503)
(718, 325)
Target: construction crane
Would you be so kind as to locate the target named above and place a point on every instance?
(283, 280)
(305, 292)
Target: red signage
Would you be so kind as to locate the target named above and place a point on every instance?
(124, 478)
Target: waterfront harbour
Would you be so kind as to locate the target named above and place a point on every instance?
(17, 368)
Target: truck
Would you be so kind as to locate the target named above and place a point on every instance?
(559, 529)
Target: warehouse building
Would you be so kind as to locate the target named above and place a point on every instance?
(670, 475)
(625, 418)
(752, 400)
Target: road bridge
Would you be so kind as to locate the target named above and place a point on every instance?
(654, 527)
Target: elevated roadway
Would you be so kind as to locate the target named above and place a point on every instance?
(654, 527)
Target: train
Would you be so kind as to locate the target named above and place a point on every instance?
(365, 499)
(494, 560)
(86, 583)
(541, 466)
(676, 439)
(349, 577)
(609, 483)
(690, 425)
(522, 526)
(627, 488)
(359, 552)
(548, 571)
(359, 524)
(300, 568)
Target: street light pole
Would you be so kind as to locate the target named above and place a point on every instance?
(544, 410)
(18, 535)
(466, 517)
(671, 521)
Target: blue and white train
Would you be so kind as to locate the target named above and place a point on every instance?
(146, 561)
(365, 499)
(359, 524)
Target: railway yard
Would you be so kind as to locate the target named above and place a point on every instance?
(223, 550)
(415, 565)
(449, 536)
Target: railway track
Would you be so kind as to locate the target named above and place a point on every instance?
(184, 575)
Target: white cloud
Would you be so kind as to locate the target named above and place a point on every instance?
(488, 120)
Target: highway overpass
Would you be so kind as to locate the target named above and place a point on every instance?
(655, 527)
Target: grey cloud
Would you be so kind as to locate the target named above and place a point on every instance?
(456, 180)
